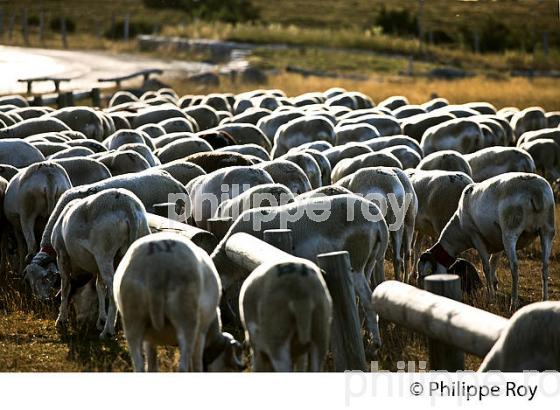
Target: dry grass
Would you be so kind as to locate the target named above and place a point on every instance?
(29, 341)
(521, 92)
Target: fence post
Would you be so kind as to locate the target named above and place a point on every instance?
(126, 27)
(346, 337)
(25, 27)
(442, 355)
(63, 32)
(95, 97)
(38, 101)
(279, 238)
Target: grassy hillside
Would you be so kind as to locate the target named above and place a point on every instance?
(459, 19)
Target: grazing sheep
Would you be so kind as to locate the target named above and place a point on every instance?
(119, 120)
(322, 226)
(33, 126)
(207, 192)
(529, 342)
(415, 126)
(433, 213)
(546, 154)
(83, 248)
(182, 148)
(270, 124)
(327, 190)
(181, 170)
(340, 152)
(49, 148)
(171, 125)
(213, 160)
(394, 102)
(151, 187)
(407, 111)
(286, 310)
(288, 174)
(161, 142)
(380, 143)
(82, 171)
(408, 157)
(244, 133)
(122, 137)
(30, 199)
(300, 131)
(348, 166)
(256, 197)
(18, 153)
(83, 119)
(322, 161)
(144, 151)
(445, 160)
(251, 115)
(359, 132)
(382, 186)
(544, 133)
(156, 114)
(72, 152)
(123, 162)
(503, 213)
(308, 164)
(385, 125)
(204, 115)
(152, 130)
(247, 149)
(176, 305)
(461, 135)
(218, 139)
(490, 162)
(529, 119)
(93, 145)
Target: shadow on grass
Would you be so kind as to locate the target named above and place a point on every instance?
(95, 355)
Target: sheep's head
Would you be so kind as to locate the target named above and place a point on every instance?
(225, 357)
(434, 260)
(42, 276)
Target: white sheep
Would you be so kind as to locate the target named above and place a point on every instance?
(286, 310)
(490, 162)
(83, 248)
(529, 343)
(167, 292)
(503, 213)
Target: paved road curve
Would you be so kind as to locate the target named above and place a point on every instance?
(84, 67)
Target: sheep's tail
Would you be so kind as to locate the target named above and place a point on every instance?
(537, 202)
(302, 311)
(51, 196)
(156, 307)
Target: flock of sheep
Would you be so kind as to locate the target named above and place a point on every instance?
(78, 185)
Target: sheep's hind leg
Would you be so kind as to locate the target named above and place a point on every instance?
(546, 245)
(510, 241)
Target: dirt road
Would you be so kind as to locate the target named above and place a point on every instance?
(84, 67)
